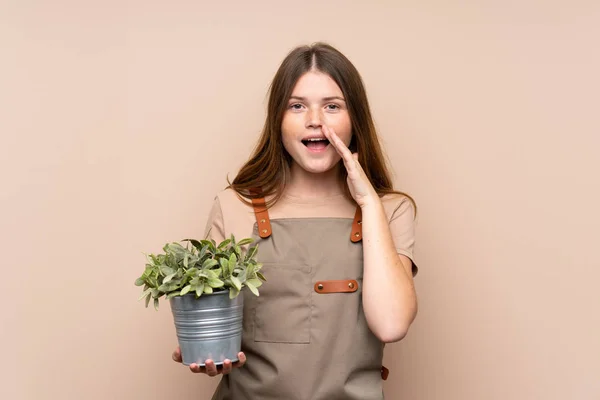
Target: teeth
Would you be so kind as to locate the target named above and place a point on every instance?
(315, 139)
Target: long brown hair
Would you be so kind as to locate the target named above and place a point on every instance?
(268, 168)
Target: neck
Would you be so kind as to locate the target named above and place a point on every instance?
(308, 185)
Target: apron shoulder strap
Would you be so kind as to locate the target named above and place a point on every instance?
(356, 234)
(262, 215)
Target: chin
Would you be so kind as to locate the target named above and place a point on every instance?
(317, 169)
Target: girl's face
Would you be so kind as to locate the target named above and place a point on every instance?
(316, 101)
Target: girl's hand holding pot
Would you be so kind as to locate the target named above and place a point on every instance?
(211, 369)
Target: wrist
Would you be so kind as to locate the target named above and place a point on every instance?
(372, 201)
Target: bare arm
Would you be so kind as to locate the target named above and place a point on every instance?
(389, 297)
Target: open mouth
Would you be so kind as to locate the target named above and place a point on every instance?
(316, 143)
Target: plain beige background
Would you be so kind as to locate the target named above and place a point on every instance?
(120, 121)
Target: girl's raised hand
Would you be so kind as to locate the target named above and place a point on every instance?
(361, 189)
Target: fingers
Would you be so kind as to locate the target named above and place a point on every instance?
(242, 358)
(339, 146)
(177, 354)
(196, 368)
(227, 366)
(211, 369)
(333, 139)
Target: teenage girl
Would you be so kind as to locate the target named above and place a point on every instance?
(335, 241)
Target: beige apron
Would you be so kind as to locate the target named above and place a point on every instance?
(306, 337)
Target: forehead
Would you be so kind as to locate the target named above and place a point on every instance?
(316, 84)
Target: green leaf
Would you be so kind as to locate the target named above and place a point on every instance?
(152, 282)
(156, 304)
(146, 292)
(223, 244)
(186, 289)
(236, 282)
(194, 243)
(215, 283)
(169, 277)
(208, 289)
(193, 261)
(199, 289)
(185, 260)
(191, 272)
(252, 252)
(148, 299)
(176, 248)
(210, 274)
(173, 294)
(242, 276)
(224, 262)
(254, 282)
(252, 288)
(168, 287)
(202, 251)
(209, 263)
(233, 293)
(232, 262)
(139, 281)
(261, 276)
(244, 242)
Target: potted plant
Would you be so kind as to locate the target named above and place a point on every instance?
(203, 281)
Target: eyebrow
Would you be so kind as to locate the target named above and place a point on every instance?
(324, 98)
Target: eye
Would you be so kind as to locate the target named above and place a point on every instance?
(296, 106)
(332, 107)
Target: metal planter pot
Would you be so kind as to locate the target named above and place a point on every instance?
(209, 327)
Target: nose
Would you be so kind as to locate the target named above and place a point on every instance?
(314, 119)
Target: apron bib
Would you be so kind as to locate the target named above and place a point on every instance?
(306, 337)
